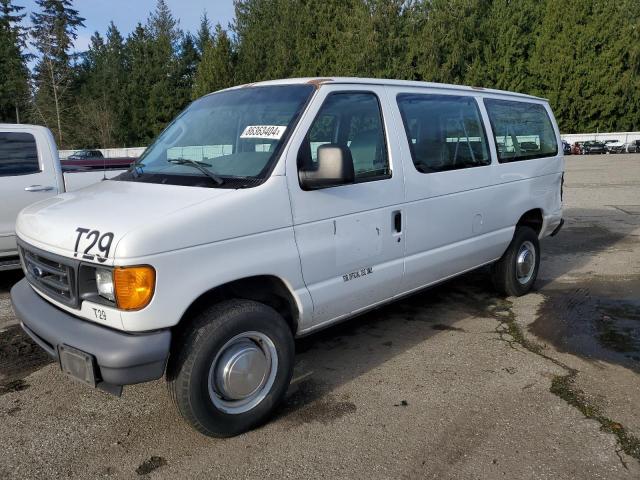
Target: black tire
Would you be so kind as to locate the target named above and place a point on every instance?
(189, 365)
(504, 272)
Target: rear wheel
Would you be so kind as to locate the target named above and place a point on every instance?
(516, 271)
(232, 368)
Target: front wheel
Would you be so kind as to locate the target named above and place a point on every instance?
(516, 271)
(232, 368)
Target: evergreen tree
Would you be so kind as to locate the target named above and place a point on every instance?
(14, 82)
(507, 51)
(204, 36)
(125, 92)
(447, 44)
(100, 108)
(163, 68)
(387, 27)
(95, 118)
(216, 70)
(333, 38)
(53, 32)
(265, 36)
(188, 62)
(138, 67)
(115, 81)
(569, 67)
(625, 52)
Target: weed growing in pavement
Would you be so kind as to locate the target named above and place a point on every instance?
(563, 386)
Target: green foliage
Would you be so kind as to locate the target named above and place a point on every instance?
(101, 78)
(584, 55)
(204, 35)
(216, 70)
(53, 32)
(14, 82)
(447, 44)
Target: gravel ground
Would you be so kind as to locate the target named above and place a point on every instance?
(453, 382)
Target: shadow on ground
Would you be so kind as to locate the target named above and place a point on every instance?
(596, 317)
(348, 350)
(8, 279)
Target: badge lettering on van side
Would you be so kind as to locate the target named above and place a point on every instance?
(363, 272)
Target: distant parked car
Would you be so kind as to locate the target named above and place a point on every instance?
(576, 149)
(593, 147)
(613, 146)
(632, 147)
(529, 147)
(94, 160)
(85, 155)
(566, 147)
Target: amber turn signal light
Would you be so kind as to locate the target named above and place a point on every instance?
(133, 286)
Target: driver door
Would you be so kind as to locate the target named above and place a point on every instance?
(349, 237)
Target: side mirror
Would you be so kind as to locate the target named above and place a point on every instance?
(334, 167)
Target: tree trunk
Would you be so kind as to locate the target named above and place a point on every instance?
(55, 99)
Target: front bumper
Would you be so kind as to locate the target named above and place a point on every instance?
(121, 358)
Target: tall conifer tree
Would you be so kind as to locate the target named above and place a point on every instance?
(53, 32)
(14, 81)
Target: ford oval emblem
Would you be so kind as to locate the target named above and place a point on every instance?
(37, 271)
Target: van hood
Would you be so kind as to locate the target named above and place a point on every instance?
(109, 207)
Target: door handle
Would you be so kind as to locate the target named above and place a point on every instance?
(38, 188)
(397, 221)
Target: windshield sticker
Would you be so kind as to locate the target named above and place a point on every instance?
(264, 131)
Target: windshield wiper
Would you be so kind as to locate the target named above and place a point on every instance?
(200, 166)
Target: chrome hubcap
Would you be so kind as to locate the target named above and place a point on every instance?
(525, 262)
(243, 372)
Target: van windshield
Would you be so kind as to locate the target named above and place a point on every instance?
(228, 139)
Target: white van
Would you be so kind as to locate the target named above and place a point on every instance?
(269, 211)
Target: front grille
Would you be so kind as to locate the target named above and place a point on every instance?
(50, 274)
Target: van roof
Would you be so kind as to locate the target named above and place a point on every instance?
(382, 81)
(21, 126)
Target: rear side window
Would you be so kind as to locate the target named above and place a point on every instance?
(445, 132)
(353, 120)
(18, 154)
(523, 131)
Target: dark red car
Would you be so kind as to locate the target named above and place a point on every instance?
(94, 160)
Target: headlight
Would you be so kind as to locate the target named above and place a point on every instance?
(133, 286)
(130, 288)
(104, 282)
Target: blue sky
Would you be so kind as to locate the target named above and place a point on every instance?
(127, 13)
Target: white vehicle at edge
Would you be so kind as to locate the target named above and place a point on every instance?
(30, 171)
(269, 211)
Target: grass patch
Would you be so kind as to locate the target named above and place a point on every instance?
(563, 385)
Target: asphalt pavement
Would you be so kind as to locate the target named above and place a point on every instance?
(454, 382)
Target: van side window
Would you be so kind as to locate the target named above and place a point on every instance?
(18, 154)
(523, 130)
(354, 120)
(445, 132)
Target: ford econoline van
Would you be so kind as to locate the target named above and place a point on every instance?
(268, 211)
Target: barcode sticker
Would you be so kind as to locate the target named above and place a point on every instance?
(264, 131)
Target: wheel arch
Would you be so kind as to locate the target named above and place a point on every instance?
(532, 218)
(268, 289)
